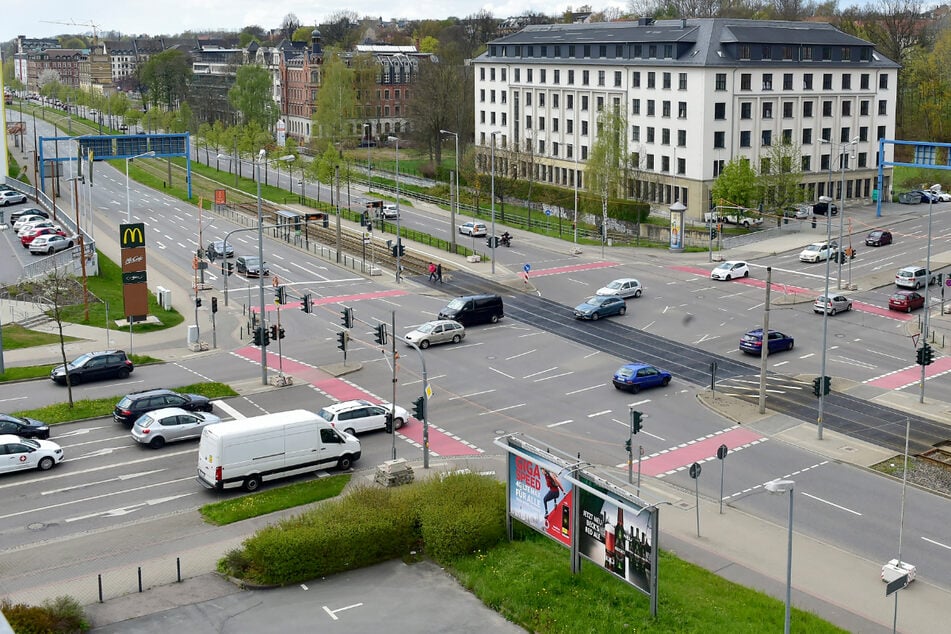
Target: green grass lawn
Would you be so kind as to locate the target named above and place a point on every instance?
(276, 499)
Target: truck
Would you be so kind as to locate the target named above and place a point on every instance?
(745, 217)
(248, 451)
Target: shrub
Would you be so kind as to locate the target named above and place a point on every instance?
(62, 614)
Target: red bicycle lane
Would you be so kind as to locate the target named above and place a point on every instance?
(441, 442)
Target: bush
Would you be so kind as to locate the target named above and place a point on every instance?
(62, 614)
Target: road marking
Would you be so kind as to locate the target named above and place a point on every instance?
(18, 398)
(333, 613)
(229, 410)
(120, 478)
(522, 354)
(833, 504)
(502, 409)
(936, 543)
(601, 413)
(528, 376)
(466, 396)
(508, 376)
(125, 510)
(564, 422)
(585, 389)
(554, 376)
(635, 404)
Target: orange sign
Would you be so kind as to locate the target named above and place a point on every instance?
(221, 197)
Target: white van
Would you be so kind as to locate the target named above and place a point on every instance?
(389, 211)
(248, 451)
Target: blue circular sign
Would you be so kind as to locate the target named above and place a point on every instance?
(527, 268)
(548, 212)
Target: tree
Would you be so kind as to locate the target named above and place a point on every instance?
(55, 291)
(336, 100)
(166, 77)
(251, 95)
(780, 180)
(341, 30)
(736, 185)
(289, 24)
(607, 160)
(438, 88)
(302, 34)
(49, 82)
(428, 44)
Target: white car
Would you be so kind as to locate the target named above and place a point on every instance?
(389, 211)
(23, 221)
(359, 416)
(17, 454)
(50, 244)
(439, 331)
(819, 251)
(476, 229)
(624, 287)
(832, 305)
(10, 197)
(730, 270)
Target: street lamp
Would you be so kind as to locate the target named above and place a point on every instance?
(399, 268)
(455, 206)
(128, 199)
(367, 128)
(257, 176)
(786, 486)
(842, 155)
(492, 241)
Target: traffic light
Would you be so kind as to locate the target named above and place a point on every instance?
(380, 337)
(230, 269)
(197, 302)
(257, 336)
(281, 297)
(817, 386)
(627, 445)
(274, 332)
(636, 421)
(925, 354)
(214, 304)
(398, 249)
(280, 332)
(305, 303)
(826, 385)
(201, 254)
(342, 338)
(388, 422)
(419, 408)
(492, 242)
(260, 336)
(713, 234)
(346, 317)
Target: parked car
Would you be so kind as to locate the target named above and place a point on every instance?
(600, 306)
(633, 377)
(915, 277)
(878, 238)
(909, 198)
(730, 270)
(11, 197)
(823, 206)
(906, 301)
(752, 341)
(359, 416)
(439, 331)
(251, 266)
(832, 305)
(133, 405)
(217, 249)
(801, 212)
(476, 229)
(32, 234)
(93, 366)
(819, 251)
(17, 454)
(50, 243)
(927, 196)
(624, 287)
(170, 424)
(29, 211)
(23, 427)
(28, 219)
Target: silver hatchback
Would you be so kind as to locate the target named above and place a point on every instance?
(170, 424)
(439, 331)
(832, 305)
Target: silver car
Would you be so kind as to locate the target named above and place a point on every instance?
(170, 424)
(833, 305)
(439, 331)
(624, 287)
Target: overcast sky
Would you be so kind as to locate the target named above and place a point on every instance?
(168, 17)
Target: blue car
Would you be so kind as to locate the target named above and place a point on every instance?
(635, 376)
(600, 306)
(752, 342)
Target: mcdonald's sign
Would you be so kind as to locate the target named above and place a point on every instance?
(132, 236)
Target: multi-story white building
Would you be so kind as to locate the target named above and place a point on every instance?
(695, 94)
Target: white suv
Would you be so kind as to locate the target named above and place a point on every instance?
(819, 251)
(914, 277)
(359, 416)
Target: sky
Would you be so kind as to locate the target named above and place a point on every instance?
(169, 17)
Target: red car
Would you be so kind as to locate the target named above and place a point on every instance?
(906, 301)
(28, 238)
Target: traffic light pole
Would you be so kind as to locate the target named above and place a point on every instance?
(395, 358)
(425, 405)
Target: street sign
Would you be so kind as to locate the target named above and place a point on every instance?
(695, 470)
(527, 268)
(896, 585)
(548, 212)
(429, 391)
(722, 450)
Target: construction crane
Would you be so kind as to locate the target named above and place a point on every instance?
(92, 25)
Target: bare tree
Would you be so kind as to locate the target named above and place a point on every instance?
(55, 291)
(289, 24)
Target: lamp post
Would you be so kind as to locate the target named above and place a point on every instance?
(842, 155)
(575, 223)
(399, 236)
(128, 199)
(492, 233)
(455, 206)
(366, 134)
(786, 486)
(257, 176)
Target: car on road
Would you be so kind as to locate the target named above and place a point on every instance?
(133, 405)
(217, 249)
(599, 306)
(730, 270)
(823, 206)
(752, 342)
(11, 197)
(32, 234)
(170, 424)
(24, 427)
(358, 416)
(29, 211)
(906, 301)
(17, 454)
(818, 252)
(476, 229)
(832, 305)
(634, 377)
(438, 331)
(251, 266)
(878, 238)
(624, 287)
(389, 211)
(800, 212)
(50, 244)
(93, 366)
(915, 277)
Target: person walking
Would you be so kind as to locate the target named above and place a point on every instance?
(439, 273)
(432, 272)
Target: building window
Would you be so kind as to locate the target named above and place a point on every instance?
(826, 108)
(571, 78)
(827, 81)
(666, 109)
(569, 102)
(650, 107)
(556, 75)
(541, 76)
(745, 52)
(767, 81)
(636, 79)
(528, 75)
(665, 136)
(787, 135)
(600, 77)
(528, 98)
(482, 95)
(491, 96)
(584, 128)
(518, 75)
(806, 163)
(569, 126)
(638, 50)
(682, 81)
(617, 79)
(681, 109)
(807, 81)
(586, 51)
(746, 110)
(650, 162)
(528, 122)
(584, 102)
(745, 138)
(787, 109)
(826, 134)
(541, 123)
(600, 104)
(807, 136)
(863, 133)
(650, 134)
(651, 80)
(807, 109)
(883, 82)
(585, 77)
(767, 110)
(482, 73)
(767, 52)
(767, 137)
(846, 54)
(541, 99)
(681, 138)
(846, 108)
(666, 81)
(882, 106)
(863, 108)
(719, 110)
(636, 134)
(665, 163)
(554, 101)
(636, 106)
(720, 82)
(668, 51)
(845, 136)
(846, 82)
(863, 81)
(746, 81)
(787, 81)
(719, 139)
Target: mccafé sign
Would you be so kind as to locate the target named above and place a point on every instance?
(135, 290)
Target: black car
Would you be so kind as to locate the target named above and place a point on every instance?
(137, 403)
(217, 249)
(24, 427)
(821, 208)
(93, 366)
(878, 238)
(32, 211)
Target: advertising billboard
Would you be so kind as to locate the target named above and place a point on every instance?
(539, 494)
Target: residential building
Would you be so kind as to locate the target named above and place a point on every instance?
(695, 93)
(300, 80)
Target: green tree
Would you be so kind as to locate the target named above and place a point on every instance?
(302, 34)
(607, 161)
(736, 186)
(336, 100)
(780, 177)
(166, 77)
(434, 100)
(428, 44)
(251, 95)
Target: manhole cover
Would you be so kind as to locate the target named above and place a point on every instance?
(36, 526)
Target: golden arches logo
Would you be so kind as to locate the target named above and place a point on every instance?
(132, 236)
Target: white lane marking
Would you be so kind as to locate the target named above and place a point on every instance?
(502, 409)
(931, 541)
(564, 422)
(585, 389)
(229, 410)
(522, 354)
(466, 396)
(601, 413)
(554, 376)
(833, 504)
(508, 376)
(125, 510)
(120, 478)
(528, 376)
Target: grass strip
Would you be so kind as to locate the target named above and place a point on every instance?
(270, 500)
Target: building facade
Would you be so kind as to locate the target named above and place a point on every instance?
(695, 94)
